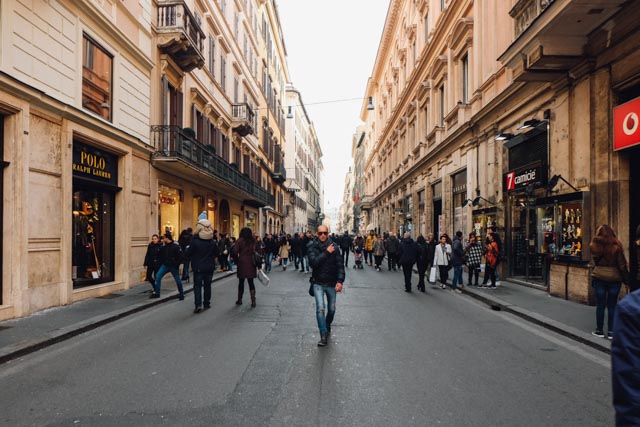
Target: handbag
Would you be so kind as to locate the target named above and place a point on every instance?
(257, 260)
(432, 274)
(263, 278)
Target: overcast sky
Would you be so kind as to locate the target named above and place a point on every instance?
(331, 47)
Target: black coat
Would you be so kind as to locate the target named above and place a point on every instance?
(328, 268)
(346, 242)
(171, 255)
(152, 257)
(392, 244)
(457, 252)
(425, 255)
(407, 252)
(202, 254)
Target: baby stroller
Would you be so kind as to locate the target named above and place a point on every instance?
(358, 257)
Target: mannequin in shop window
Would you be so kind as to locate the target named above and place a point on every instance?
(85, 257)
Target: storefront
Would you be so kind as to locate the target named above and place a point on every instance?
(169, 207)
(95, 179)
(3, 164)
(459, 193)
(250, 220)
(483, 219)
(438, 220)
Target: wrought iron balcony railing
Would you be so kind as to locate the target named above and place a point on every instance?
(180, 34)
(173, 142)
(244, 119)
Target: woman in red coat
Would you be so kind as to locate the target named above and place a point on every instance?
(242, 254)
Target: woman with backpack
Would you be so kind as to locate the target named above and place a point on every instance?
(243, 256)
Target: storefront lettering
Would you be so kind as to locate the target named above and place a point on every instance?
(89, 162)
(522, 179)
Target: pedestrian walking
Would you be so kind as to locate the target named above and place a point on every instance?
(625, 361)
(442, 259)
(368, 248)
(202, 251)
(473, 258)
(378, 251)
(407, 256)
(457, 255)
(152, 260)
(243, 256)
(431, 254)
(346, 244)
(425, 257)
(392, 245)
(609, 271)
(183, 241)
(296, 249)
(283, 252)
(327, 278)
(306, 238)
(492, 255)
(634, 262)
(224, 249)
(496, 238)
(171, 256)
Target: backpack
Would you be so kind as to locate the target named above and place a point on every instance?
(178, 256)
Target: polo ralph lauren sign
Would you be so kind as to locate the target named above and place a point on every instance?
(94, 164)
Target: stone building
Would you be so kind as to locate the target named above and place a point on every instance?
(504, 113)
(123, 119)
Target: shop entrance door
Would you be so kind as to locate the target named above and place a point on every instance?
(634, 193)
(524, 259)
(437, 213)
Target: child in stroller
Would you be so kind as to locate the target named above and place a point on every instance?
(358, 255)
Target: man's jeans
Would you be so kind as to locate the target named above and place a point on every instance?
(164, 269)
(202, 280)
(457, 276)
(321, 308)
(606, 296)
(267, 261)
(304, 260)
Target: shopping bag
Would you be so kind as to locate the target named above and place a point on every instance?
(432, 275)
(263, 278)
(482, 267)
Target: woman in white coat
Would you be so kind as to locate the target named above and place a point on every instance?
(442, 259)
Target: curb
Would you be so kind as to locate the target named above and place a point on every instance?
(540, 320)
(12, 352)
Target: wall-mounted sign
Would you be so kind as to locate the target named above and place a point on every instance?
(94, 164)
(626, 125)
(516, 180)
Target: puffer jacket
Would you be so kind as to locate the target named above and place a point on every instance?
(328, 268)
(368, 244)
(392, 245)
(625, 361)
(202, 253)
(407, 252)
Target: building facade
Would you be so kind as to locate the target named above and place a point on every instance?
(502, 113)
(119, 120)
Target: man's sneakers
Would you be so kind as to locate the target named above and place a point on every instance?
(197, 310)
(323, 340)
(598, 333)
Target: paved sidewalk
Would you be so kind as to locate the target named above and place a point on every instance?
(28, 334)
(568, 318)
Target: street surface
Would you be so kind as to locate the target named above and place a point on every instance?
(394, 359)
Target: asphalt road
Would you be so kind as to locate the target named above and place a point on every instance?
(395, 359)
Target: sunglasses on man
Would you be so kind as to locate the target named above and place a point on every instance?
(323, 233)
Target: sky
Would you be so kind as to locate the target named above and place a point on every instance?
(331, 47)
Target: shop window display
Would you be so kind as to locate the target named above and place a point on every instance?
(570, 219)
(93, 237)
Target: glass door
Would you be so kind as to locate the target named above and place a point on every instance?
(526, 261)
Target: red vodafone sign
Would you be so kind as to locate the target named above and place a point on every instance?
(626, 125)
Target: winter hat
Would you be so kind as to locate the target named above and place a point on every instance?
(204, 230)
(203, 215)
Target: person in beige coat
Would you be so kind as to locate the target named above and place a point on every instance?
(285, 248)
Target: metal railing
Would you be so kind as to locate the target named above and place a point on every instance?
(175, 15)
(244, 112)
(173, 142)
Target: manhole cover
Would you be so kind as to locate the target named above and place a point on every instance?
(110, 296)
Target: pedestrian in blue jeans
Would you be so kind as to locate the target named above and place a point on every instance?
(202, 251)
(171, 257)
(327, 278)
(457, 260)
(609, 271)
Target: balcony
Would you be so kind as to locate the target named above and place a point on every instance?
(180, 35)
(551, 35)
(179, 154)
(279, 174)
(243, 120)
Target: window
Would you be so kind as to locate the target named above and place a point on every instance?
(223, 73)
(443, 4)
(426, 28)
(465, 78)
(96, 78)
(442, 104)
(212, 55)
(236, 90)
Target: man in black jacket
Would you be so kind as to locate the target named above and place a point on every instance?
(345, 247)
(391, 246)
(407, 256)
(171, 257)
(327, 278)
(202, 252)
